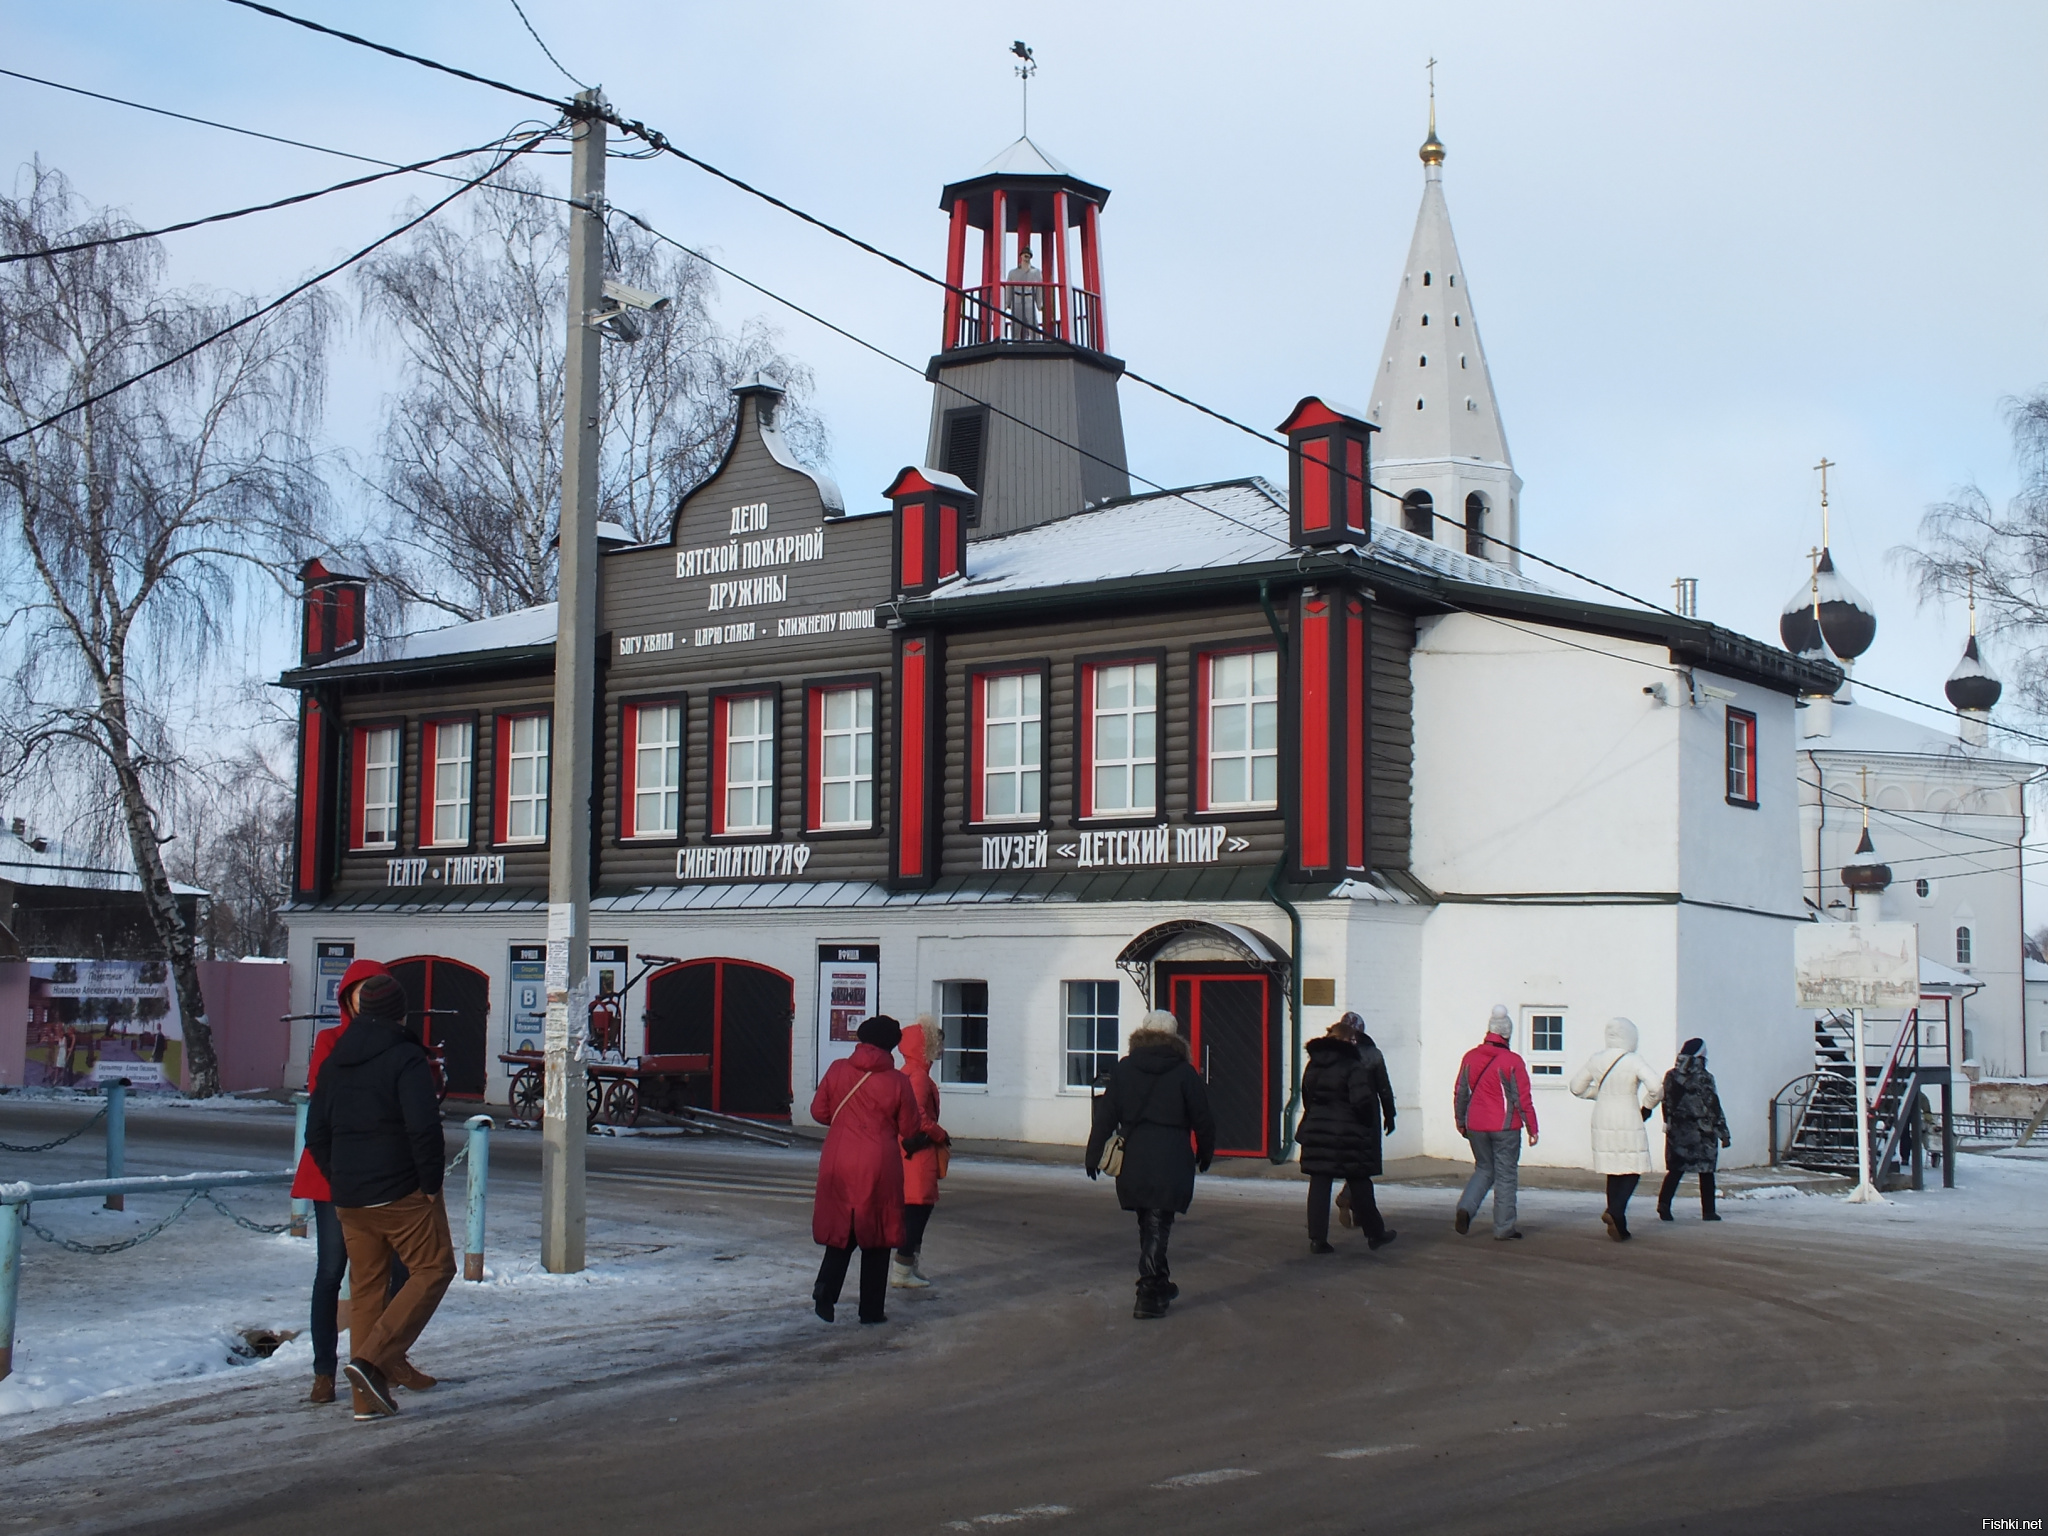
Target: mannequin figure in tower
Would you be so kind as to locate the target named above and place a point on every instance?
(1021, 296)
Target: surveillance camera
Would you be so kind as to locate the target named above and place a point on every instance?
(622, 325)
(635, 298)
(1723, 694)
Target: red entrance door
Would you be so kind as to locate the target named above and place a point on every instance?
(1228, 1020)
(737, 1014)
(451, 1003)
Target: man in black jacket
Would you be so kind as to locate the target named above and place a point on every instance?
(374, 1129)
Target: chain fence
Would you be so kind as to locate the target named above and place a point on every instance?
(8, 1146)
(97, 1249)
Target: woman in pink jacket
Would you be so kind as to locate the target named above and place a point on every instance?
(871, 1118)
(922, 1044)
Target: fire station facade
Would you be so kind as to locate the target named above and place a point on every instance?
(1032, 754)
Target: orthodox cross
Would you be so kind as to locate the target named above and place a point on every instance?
(1814, 556)
(1824, 466)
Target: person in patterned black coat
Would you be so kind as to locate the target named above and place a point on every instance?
(1695, 1130)
(1345, 1096)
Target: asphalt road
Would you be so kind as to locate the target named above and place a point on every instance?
(1742, 1377)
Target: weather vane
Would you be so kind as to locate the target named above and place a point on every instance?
(1027, 66)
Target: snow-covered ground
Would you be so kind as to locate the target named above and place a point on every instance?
(166, 1319)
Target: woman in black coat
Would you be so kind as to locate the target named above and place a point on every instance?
(1156, 1099)
(1345, 1095)
(1695, 1130)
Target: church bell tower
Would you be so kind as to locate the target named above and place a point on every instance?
(1024, 408)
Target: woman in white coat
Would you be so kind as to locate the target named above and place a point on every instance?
(1623, 1090)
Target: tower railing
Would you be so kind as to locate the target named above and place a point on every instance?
(1028, 311)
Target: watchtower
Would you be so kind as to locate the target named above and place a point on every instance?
(1025, 406)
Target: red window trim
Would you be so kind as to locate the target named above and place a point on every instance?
(358, 763)
(629, 765)
(1316, 654)
(1198, 770)
(1748, 719)
(721, 712)
(1357, 736)
(1084, 733)
(814, 751)
(430, 748)
(501, 778)
(977, 738)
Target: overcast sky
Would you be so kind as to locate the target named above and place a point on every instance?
(1704, 247)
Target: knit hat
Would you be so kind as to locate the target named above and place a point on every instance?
(1351, 1027)
(1500, 1023)
(381, 1000)
(880, 1031)
(1692, 1047)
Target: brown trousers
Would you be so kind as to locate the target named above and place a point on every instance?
(416, 1229)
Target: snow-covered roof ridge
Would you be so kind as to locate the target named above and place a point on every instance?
(1860, 730)
(779, 450)
(57, 863)
(517, 630)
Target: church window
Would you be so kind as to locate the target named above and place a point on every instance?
(1425, 360)
(1418, 402)
(1471, 404)
(1425, 319)
(1923, 888)
(1475, 525)
(1457, 319)
(1425, 279)
(1741, 760)
(1964, 946)
(1454, 279)
(1461, 359)
(1418, 511)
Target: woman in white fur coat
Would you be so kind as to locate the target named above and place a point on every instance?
(1623, 1090)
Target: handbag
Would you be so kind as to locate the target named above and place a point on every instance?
(1113, 1150)
(856, 1088)
(945, 1157)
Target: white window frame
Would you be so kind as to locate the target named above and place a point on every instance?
(1093, 1018)
(1132, 767)
(1250, 754)
(759, 789)
(450, 785)
(380, 784)
(857, 783)
(1025, 729)
(657, 770)
(528, 739)
(1545, 1066)
(956, 1022)
(1966, 944)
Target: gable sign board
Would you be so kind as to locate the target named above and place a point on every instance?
(1856, 965)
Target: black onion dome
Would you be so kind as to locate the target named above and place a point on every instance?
(1971, 685)
(1797, 627)
(1865, 873)
(1845, 617)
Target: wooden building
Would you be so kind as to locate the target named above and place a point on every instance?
(1032, 753)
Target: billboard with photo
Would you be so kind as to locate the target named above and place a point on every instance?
(93, 1021)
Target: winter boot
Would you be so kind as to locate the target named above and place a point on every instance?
(1707, 1211)
(1316, 1245)
(917, 1266)
(409, 1376)
(372, 1390)
(1382, 1240)
(323, 1390)
(1151, 1303)
(903, 1277)
(1462, 1222)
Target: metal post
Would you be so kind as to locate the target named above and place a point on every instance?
(479, 1176)
(1865, 1192)
(10, 1283)
(568, 964)
(1948, 1134)
(117, 1137)
(302, 1210)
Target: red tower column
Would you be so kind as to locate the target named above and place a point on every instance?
(1056, 270)
(992, 255)
(1091, 276)
(956, 272)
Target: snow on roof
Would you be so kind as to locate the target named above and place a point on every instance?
(58, 863)
(1864, 731)
(1936, 977)
(1200, 528)
(779, 449)
(500, 632)
(1023, 158)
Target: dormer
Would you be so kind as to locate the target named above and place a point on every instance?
(1329, 474)
(331, 613)
(931, 510)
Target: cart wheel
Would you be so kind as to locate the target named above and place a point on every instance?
(526, 1094)
(593, 1096)
(622, 1101)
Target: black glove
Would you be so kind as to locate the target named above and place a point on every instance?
(1094, 1173)
(1390, 1125)
(917, 1141)
(1646, 1114)
(1202, 1166)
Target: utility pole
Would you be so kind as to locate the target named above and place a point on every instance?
(564, 1121)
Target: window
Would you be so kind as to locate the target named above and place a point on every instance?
(1457, 320)
(1418, 511)
(523, 773)
(843, 748)
(1963, 946)
(377, 754)
(744, 800)
(1545, 1034)
(654, 768)
(1923, 888)
(1241, 731)
(1425, 279)
(1475, 525)
(1418, 402)
(1454, 279)
(1425, 319)
(1120, 736)
(1010, 729)
(451, 746)
(963, 433)
(1091, 1031)
(1741, 757)
(1461, 360)
(1424, 361)
(963, 1017)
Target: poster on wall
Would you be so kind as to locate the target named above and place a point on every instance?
(96, 1021)
(331, 960)
(527, 997)
(849, 990)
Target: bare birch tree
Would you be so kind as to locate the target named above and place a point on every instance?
(136, 525)
(469, 468)
(1969, 544)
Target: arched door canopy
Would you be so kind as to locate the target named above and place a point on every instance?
(1192, 938)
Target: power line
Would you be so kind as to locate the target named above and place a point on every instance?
(237, 213)
(544, 48)
(277, 303)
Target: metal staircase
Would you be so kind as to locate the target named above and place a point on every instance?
(1818, 1110)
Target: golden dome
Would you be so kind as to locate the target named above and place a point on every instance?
(1432, 150)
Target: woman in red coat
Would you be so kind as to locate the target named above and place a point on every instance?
(871, 1117)
(330, 1260)
(921, 1045)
